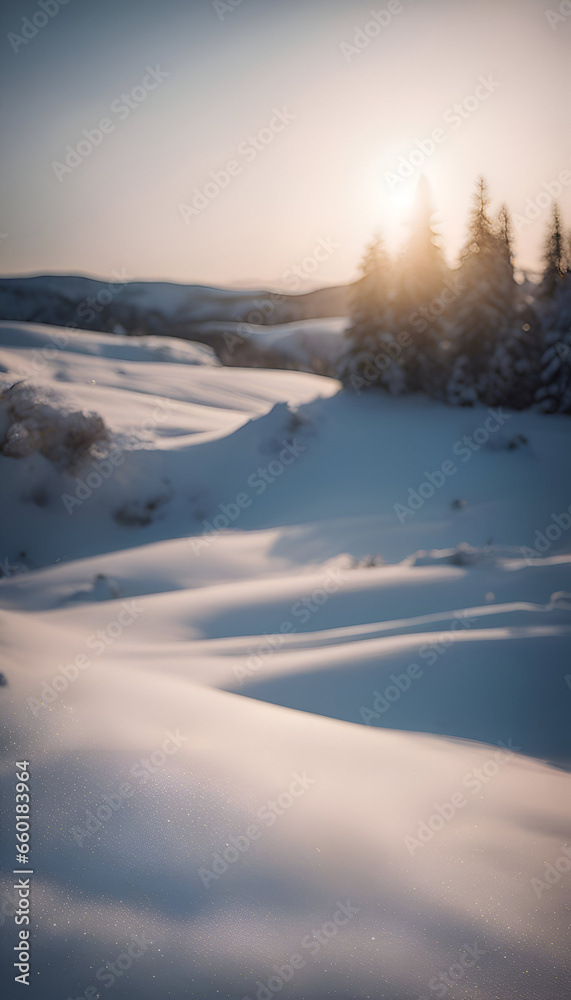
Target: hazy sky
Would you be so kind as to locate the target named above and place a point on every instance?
(324, 168)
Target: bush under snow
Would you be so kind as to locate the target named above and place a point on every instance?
(36, 419)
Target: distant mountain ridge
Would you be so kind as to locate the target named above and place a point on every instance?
(157, 308)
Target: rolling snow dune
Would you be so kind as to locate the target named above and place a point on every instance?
(312, 343)
(242, 612)
(36, 336)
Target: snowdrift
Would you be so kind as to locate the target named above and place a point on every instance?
(296, 706)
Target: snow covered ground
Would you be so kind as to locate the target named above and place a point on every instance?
(245, 327)
(310, 342)
(313, 345)
(291, 667)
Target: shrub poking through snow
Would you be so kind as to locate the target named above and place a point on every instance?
(36, 419)
(368, 562)
(139, 514)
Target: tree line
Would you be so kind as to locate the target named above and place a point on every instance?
(468, 335)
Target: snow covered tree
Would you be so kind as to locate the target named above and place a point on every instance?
(373, 354)
(553, 308)
(511, 379)
(486, 311)
(554, 392)
(419, 305)
(422, 267)
(554, 254)
(504, 230)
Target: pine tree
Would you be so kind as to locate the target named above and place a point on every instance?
(504, 230)
(513, 368)
(486, 309)
(419, 307)
(423, 267)
(370, 358)
(553, 309)
(554, 254)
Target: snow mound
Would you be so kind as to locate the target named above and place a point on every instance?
(210, 649)
(462, 554)
(314, 344)
(44, 342)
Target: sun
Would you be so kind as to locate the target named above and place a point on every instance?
(395, 209)
(390, 201)
(400, 201)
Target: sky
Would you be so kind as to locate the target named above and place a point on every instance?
(262, 142)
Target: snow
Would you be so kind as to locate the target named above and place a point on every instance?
(269, 648)
(36, 337)
(309, 342)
